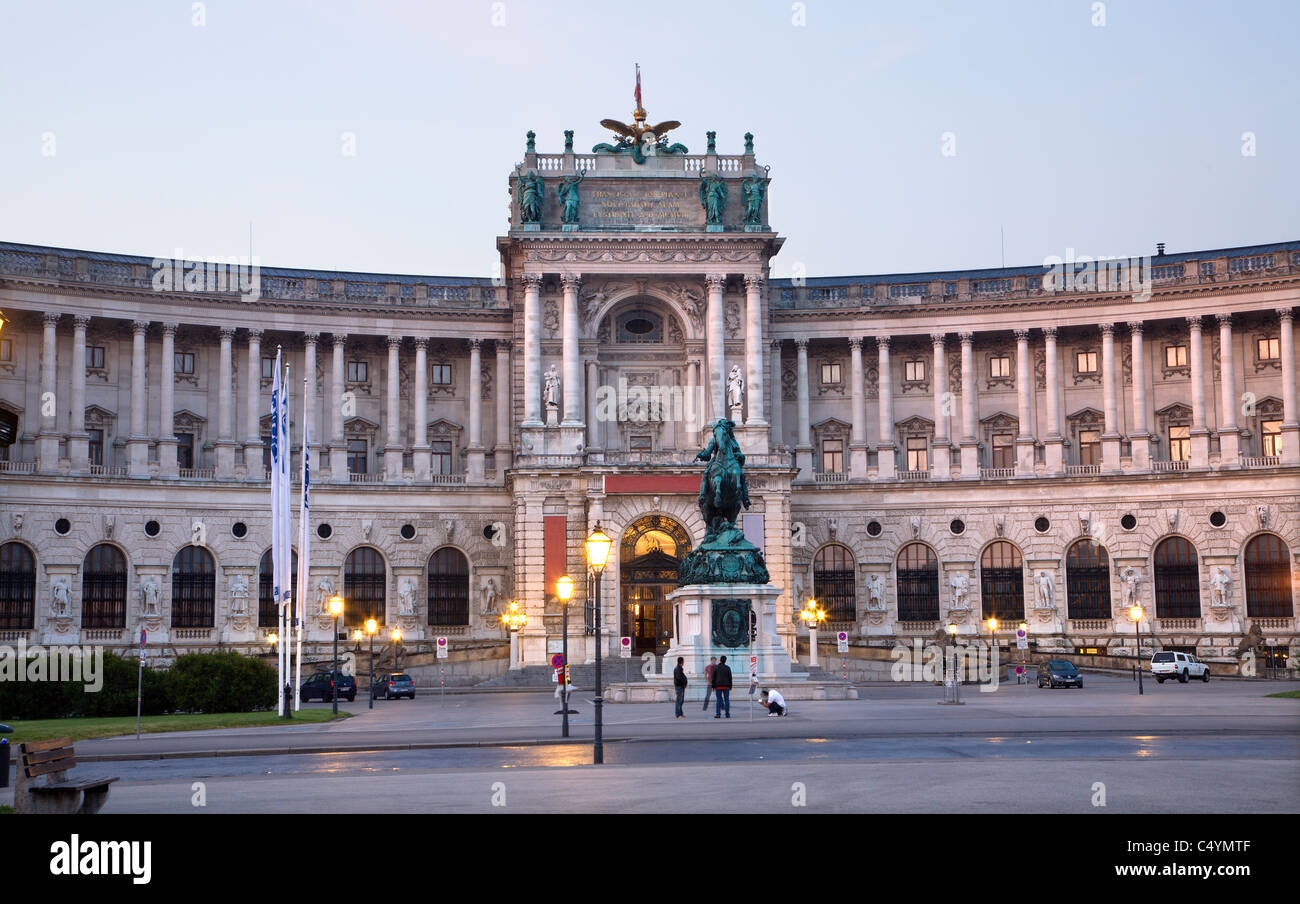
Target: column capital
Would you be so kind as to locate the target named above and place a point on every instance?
(421, 342)
(337, 339)
(475, 344)
(503, 345)
(1022, 335)
(966, 337)
(1224, 319)
(1135, 327)
(1194, 321)
(939, 339)
(753, 281)
(571, 281)
(1049, 332)
(532, 280)
(855, 343)
(81, 321)
(227, 333)
(882, 342)
(51, 318)
(137, 326)
(715, 281)
(1107, 329)
(169, 329)
(255, 335)
(1285, 315)
(311, 338)
(801, 344)
(777, 343)
(394, 342)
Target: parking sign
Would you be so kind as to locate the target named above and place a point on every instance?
(842, 641)
(625, 648)
(442, 648)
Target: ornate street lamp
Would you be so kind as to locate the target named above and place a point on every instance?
(336, 609)
(812, 615)
(372, 628)
(951, 628)
(1135, 613)
(597, 546)
(993, 639)
(514, 618)
(564, 590)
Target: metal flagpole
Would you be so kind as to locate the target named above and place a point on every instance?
(304, 542)
(286, 533)
(276, 572)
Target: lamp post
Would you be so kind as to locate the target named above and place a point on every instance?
(514, 619)
(336, 609)
(372, 628)
(956, 673)
(1024, 654)
(597, 546)
(1135, 613)
(564, 590)
(812, 615)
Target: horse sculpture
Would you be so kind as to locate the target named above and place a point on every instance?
(724, 488)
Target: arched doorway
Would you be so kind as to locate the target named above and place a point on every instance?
(651, 550)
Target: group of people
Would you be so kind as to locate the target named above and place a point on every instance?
(717, 677)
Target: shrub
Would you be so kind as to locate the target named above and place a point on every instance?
(221, 683)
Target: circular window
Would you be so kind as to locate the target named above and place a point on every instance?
(324, 531)
(62, 526)
(638, 326)
(1041, 524)
(1128, 522)
(957, 526)
(874, 528)
(490, 532)
(239, 530)
(151, 528)
(1218, 519)
(408, 531)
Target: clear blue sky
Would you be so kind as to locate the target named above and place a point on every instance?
(1102, 139)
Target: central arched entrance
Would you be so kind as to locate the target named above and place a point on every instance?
(651, 550)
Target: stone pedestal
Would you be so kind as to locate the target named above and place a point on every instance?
(474, 464)
(137, 456)
(552, 439)
(886, 468)
(392, 464)
(552, 415)
(1141, 451)
(422, 462)
(1054, 455)
(803, 461)
(858, 461)
(225, 459)
(1200, 448)
(1229, 449)
(970, 460)
(942, 461)
(1025, 457)
(753, 440)
(1110, 447)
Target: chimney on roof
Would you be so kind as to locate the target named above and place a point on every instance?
(1160, 249)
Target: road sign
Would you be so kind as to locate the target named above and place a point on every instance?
(144, 636)
(842, 641)
(557, 660)
(625, 647)
(1020, 670)
(442, 648)
(1022, 643)
(1020, 632)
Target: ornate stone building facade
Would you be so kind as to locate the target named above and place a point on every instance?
(1040, 444)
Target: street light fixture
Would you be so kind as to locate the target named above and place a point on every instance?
(372, 628)
(1024, 653)
(514, 619)
(812, 615)
(1136, 613)
(597, 546)
(951, 628)
(564, 590)
(336, 609)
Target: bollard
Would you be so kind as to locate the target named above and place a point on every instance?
(288, 700)
(4, 762)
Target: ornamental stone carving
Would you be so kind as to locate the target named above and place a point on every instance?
(876, 593)
(238, 597)
(61, 597)
(1045, 595)
(1221, 588)
(959, 583)
(150, 593)
(406, 597)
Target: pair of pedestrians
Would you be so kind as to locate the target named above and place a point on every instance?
(717, 675)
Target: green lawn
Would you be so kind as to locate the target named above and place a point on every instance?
(82, 729)
(1294, 695)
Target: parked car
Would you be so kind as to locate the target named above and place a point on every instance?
(1170, 664)
(1059, 673)
(320, 685)
(393, 684)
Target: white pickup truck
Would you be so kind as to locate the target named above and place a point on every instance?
(1169, 664)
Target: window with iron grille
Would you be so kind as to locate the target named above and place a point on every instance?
(268, 614)
(194, 588)
(448, 587)
(1002, 582)
(1268, 577)
(1087, 580)
(17, 587)
(918, 583)
(365, 581)
(833, 582)
(1177, 579)
(103, 588)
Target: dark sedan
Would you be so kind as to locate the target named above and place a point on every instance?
(1059, 673)
(321, 685)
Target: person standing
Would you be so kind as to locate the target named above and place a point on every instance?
(679, 685)
(722, 688)
(708, 680)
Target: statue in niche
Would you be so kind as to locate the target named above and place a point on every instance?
(61, 597)
(150, 591)
(324, 590)
(735, 387)
(551, 392)
(960, 584)
(713, 197)
(567, 192)
(406, 598)
(1221, 588)
(1046, 593)
(876, 593)
(753, 191)
(489, 607)
(238, 596)
(1132, 579)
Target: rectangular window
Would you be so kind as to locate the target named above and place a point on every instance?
(268, 368)
(1207, 268)
(441, 456)
(833, 456)
(830, 374)
(266, 451)
(914, 371)
(1180, 443)
(1086, 362)
(95, 356)
(357, 456)
(185, 450)
(1000, 366)
(1004, 451)
(441, 374)
(1271, 435)
(357, 374)
(6, 350)
(184, 363)
(1089, 447)
(1175, 356)
(1269, 349)
(96, 446)
(918, 453)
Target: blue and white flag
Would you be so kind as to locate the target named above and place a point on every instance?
(304, 542)
(281, 518)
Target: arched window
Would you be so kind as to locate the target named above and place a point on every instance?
(103, 588)
(918, 583)
(1268, 577)
(1087, 580)
(1002, 582)
(364, 585)
(194, 588)
(1177, 580)
(268, 615)
(448, 587)
(17, 587)
(833, 577)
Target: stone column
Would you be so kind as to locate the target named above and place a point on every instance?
(970, 452)
(168, 466)
(858, 436)
(1025, 398)
(1140, 437)
(572, 360)
(776, 394)
(421, 454)
(78, 438)
(309, 405)
(1290, 420)
(225, 444)
(393, 413)
(716, 329)
(942, 400)
(503, 447)
(252, 417)
(474, 452)
(803, 451)
(137, 441)
(754, 381)
(1200, 434)
(532, 350)
(1110, 437)
(1229, 432)
(595, 443)
(885, 460)
(338, 448)
(1054, 442)
(47, 441)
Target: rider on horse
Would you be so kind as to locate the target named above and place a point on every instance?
(724, 487)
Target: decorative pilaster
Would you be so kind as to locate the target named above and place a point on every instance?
(474, 453)
(716, 330)
(1054, 442)
(47, 441)
(755, 383)
(970, 453)
(1140, 437)
(1229, 432)
(1200, 434)
(393, 413)
(595, 443)
(942, 401)
(1025, 399)
(503, 448)
(310, 405)
(532, 350)
(421, 454)
(168, 466)
(885, 460)
(78, 438)
(776, 400)
(1110, 437)
(858, 436)
(253, 413)
(225, 444)
(338, 448)
(572, 361)
(803, 451)
(137, 441)
(1290, 420)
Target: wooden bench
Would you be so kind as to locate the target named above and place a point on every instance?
(57, 793)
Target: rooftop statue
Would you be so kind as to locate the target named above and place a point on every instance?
(532, 192)
(725, 556)
(713, 197)
(567, 192)
(754, 189)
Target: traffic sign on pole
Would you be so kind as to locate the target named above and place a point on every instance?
(625, 647)
(557, 660)
(442, 648)
(842, 640)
